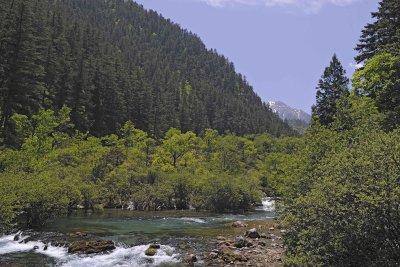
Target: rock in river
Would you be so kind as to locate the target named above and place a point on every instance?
(90, 247)
(152, 250)
(156, 246)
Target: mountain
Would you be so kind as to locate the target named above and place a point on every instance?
(296, 118)
(286, 112)
(113, 61)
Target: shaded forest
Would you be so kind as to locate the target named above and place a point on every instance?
(114, 61)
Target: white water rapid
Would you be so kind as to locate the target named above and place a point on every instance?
(268, 204)
(121, 256)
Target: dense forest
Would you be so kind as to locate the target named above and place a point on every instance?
(114, 61)
(106, 105)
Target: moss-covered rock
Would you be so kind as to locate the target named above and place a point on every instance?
(91, 247)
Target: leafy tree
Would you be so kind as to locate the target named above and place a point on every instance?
(175, 147)
(331, 87)
(349, 215)
(380, 80)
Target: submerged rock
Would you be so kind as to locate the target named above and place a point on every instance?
(77, 234)
(90, 247)
(252, 233)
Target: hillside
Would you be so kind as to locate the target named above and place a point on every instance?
(113, 61)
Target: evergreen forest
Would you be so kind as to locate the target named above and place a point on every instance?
(113, 61)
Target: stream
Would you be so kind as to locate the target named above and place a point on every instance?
(179, 233)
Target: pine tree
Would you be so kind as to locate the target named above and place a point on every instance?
(331, 87)
(113, 61)
(21, 74)
(383, 35)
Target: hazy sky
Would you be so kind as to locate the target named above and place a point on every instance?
(281, 46)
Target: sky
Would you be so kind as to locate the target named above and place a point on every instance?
(281, 46)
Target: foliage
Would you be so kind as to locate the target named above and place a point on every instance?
(380, 80)
(57, 169)
(341, 189)
(349, 214)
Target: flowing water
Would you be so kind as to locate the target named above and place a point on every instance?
(178, 232)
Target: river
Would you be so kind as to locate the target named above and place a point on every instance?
(179, 233)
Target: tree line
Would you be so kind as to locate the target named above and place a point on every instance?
(55, 172)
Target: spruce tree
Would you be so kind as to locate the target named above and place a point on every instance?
(383, 35)
(331, 87)
(21, 74)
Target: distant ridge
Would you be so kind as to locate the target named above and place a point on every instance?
(286, 112)
(296, 118)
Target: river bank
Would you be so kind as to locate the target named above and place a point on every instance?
(254, 243)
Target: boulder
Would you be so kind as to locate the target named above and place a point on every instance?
(155, 246)
(241, 242)
(239, 224)
(16, 237)
(91, 247)
(252, 233)
(152, 250)
(230, 256)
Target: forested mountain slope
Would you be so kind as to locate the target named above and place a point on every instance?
(113, 61)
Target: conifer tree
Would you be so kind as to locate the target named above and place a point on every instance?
(21, 74)
(331, 87)
(383, 35)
